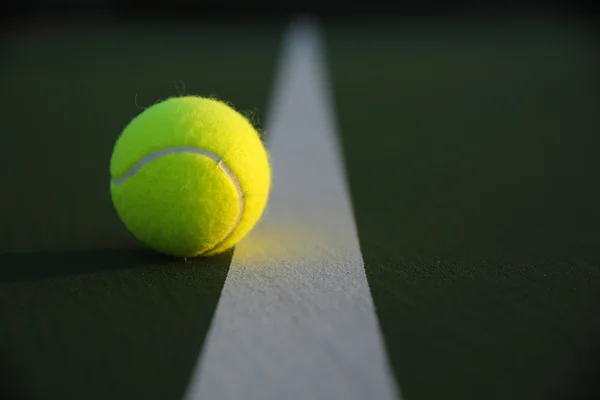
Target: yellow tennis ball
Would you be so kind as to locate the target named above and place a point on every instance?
(189, 176)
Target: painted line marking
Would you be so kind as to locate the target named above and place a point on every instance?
(296, 319)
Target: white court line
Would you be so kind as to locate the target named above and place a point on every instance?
(296, 319)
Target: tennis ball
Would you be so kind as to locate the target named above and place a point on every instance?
(189, 176)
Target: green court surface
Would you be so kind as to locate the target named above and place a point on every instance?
(472, 156)
(472, 159)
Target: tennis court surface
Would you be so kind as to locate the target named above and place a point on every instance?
(433, 230)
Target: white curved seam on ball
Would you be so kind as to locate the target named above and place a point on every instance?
(160, 153)
(240, 193)
(192, 150)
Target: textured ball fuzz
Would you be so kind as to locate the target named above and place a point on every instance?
(189, 176)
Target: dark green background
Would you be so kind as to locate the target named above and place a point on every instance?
(473, 161)
(471, 151)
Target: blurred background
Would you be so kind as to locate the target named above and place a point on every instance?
(278, 8)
